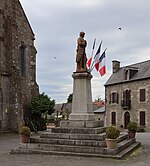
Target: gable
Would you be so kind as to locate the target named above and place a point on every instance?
(23, 15)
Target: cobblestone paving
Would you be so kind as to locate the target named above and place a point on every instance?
(7, 141)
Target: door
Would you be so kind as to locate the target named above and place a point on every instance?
(126, 119)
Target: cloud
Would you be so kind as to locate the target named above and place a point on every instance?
(56, 25)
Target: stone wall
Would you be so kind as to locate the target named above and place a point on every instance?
(136, 105)
(16, 89)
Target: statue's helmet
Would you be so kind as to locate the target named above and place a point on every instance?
(82, 33)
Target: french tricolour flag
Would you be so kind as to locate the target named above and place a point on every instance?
(97, 56)
(102, 66)
(90, 59)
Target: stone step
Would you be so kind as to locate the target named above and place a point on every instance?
(68, 142)
(81, 123)
(121, 155)
(120, 146)
(71, 141)
(128, 150)
(99, 137)
(96, 130)
(77, 149)
(122, 137)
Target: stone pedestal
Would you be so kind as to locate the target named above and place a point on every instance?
(82, 108)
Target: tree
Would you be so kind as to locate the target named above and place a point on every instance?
(99, 99)
(39, 106)
(70, 98)
(42, 103)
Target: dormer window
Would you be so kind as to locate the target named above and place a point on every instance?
(126, 75)
(129, 72)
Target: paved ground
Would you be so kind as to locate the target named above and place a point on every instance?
(8, 141)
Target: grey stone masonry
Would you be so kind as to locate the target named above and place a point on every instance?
(82, 97)
(17, 65)
(77, 142)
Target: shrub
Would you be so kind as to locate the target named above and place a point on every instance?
(112, 132)
(36, 125)
(31, 124)
(132, 126)
(42, 103)
(139, 129)
(24, 130)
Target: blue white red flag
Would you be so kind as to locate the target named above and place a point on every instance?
(90, 59)
(102, 66)
(97, 56)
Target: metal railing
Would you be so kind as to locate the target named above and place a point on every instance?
(126, 104)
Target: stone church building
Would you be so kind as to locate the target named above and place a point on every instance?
(17, 65)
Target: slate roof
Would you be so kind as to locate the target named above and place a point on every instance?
(100, 110)
(143, 72)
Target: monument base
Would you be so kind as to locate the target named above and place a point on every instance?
(82, 107)
(81, 123)
(81, 116)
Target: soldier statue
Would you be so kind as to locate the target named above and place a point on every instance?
(81, 58)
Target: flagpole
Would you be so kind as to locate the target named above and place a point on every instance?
(93, 65)
(105, 50)
(93, 48)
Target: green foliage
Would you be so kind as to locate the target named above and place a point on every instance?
(98, 99)
(42, 103)
(31, 124)
(112, 132)
(70, 98)
(139, 129)
(24, 130)
(132, 126)
(40, 106)
(36, 124)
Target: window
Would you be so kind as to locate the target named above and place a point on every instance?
(126, 102)
(113, 118)
(129, 72)
(142, 95)
(142, 118)
(126, 74)
(114, 98)
(22, 60)
(127, 95)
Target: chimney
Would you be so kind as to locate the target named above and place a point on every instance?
(116, 66)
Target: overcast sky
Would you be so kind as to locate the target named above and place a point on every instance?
(57, 23)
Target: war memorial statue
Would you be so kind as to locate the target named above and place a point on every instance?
(81, 58)
(82, 111)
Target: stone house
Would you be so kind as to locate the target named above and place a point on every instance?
(17, 65)
(99, 110)
(64, 109)
(127, 93)
(100, 113)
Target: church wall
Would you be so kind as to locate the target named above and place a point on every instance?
(18, 75)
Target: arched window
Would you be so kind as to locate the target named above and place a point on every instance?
(22, 60)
